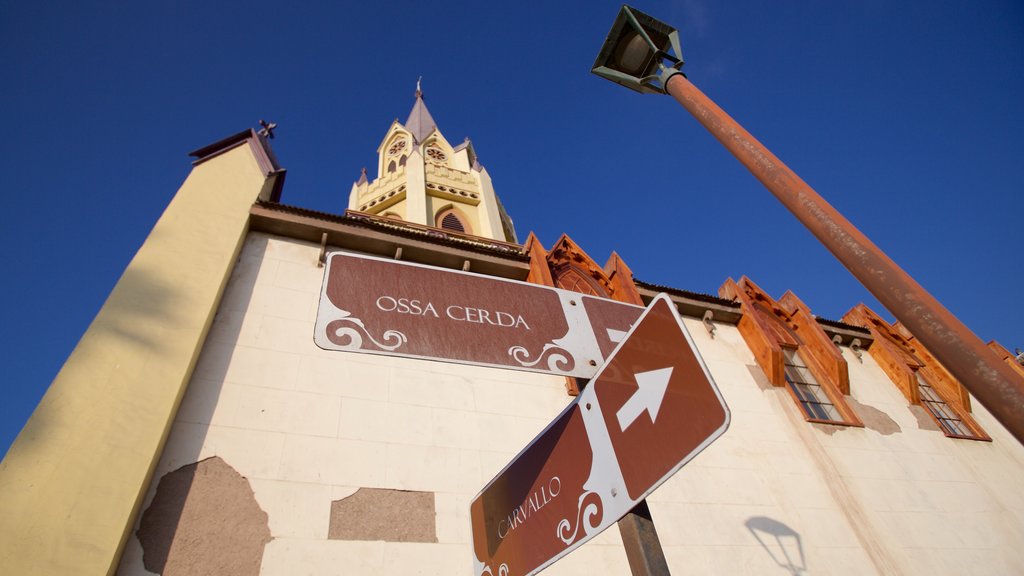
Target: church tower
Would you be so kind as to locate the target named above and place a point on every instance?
(423, 179)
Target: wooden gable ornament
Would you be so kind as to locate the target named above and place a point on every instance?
(568, 267)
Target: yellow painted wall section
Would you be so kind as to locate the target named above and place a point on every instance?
(71, 484)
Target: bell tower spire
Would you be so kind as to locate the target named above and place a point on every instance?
(423, 179)
(420, 122)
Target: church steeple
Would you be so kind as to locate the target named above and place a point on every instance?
(420, 123)
(422, 178)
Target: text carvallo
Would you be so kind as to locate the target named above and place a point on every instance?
(520, 514)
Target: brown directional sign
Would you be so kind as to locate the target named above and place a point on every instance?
(651, 408)
(378, 306)
(658, 371)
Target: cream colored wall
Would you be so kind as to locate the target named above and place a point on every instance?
(759, 475)
(942, 506)
(308, 426)
(71, 483)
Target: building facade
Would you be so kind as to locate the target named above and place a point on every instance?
(197, 428)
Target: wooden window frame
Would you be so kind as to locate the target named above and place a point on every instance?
(792, 384)
(904, 361)
(769, 329)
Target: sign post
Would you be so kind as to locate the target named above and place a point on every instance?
(650, 409)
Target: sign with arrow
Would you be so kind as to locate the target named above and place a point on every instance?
(651, 388)
(650, 409)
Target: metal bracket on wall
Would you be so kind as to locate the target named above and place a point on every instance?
(708, 317)
(398, 253)
(855, 348)
(465, 266)
(323, 251)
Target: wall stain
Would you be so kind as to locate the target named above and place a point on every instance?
(924, 420)
(873, 418)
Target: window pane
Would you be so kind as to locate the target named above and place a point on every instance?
(813, 399)
(792, 375)
(941, 411)
(792, 357)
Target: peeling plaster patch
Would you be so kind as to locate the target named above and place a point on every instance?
(204, 519)
(873, 418)
(389, 515)
(924, 420)
(759, 377)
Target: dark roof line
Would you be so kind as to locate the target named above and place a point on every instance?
(843, 325)
(686, 293)
(434, 236)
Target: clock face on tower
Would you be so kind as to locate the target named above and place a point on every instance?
(397, 147)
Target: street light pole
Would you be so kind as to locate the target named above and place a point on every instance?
(991, 381)
(636, 54)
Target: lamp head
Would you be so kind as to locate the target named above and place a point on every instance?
(636, 52)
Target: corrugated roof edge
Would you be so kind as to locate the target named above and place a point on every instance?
(686, 293)
(843, 325)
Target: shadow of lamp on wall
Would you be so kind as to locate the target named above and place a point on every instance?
(781, 542)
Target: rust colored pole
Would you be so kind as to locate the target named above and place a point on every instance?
(990, 380)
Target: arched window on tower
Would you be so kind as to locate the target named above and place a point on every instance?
(401, 161)
(391, 166)
(450, 219)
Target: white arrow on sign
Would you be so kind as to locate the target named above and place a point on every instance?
(616, 335)
(650, 392)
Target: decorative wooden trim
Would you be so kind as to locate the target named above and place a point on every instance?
(1006, 356)
(769, 326)
(568, 261)
(540, 273)
(899, 365)
(901, 357)
(566, 266)
(757, 335)
(934, 371)
(621, 279)
(824, 351)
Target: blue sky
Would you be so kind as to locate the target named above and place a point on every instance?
(906, 116)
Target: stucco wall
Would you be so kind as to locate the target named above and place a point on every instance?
(775, 495)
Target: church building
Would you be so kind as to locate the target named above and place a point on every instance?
(202, 426)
